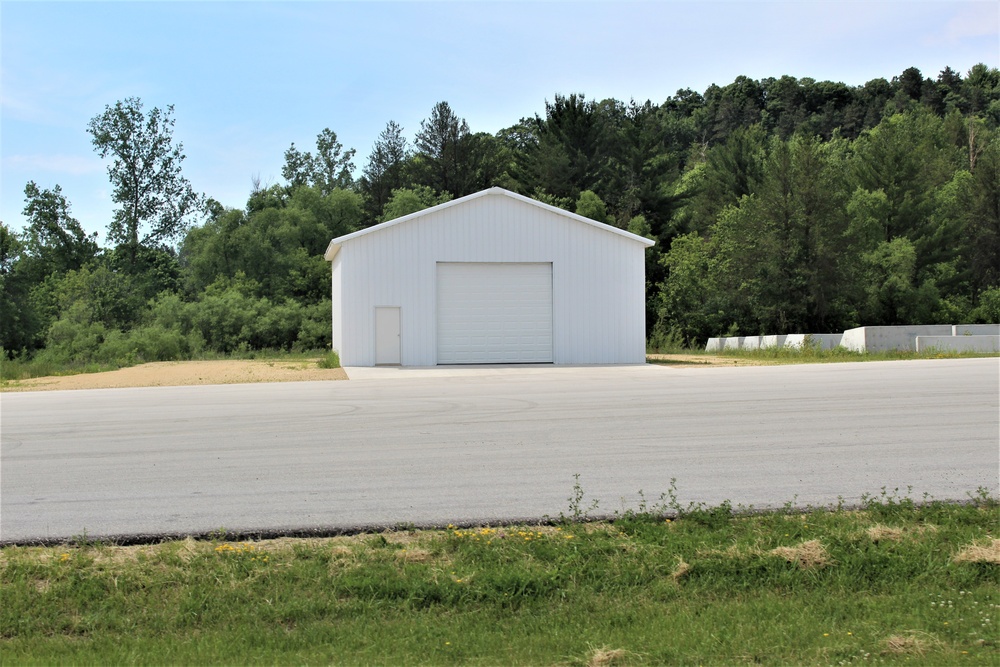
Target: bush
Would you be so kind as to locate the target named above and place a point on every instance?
(150, 343)
(71, 340)
(331, 360)
(315, 329)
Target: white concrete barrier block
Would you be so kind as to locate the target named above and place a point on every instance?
(795, 341)
(822, 341)
(714, 344)
(958, 343)
(751, 343)
(854, 339)
(884, 339)
(770, 342)
(733, 343)
(976, 330)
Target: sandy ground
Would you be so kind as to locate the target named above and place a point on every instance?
(177, 373)
(705, 360)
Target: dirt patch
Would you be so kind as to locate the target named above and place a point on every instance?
(704, 360)
(180, 373)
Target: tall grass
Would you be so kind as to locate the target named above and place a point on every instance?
(814, 354)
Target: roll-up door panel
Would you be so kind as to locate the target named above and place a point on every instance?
(494, 313)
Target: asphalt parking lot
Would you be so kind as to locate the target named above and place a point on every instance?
(425, 446)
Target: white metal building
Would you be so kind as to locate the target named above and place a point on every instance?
(491, 278)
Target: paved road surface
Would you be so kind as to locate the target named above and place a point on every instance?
(444, 446)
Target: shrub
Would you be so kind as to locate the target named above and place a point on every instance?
(149, 343)
(315, 327)
(330, 360)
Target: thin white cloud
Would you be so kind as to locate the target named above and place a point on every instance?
(76, 165)
(979, 20)
(971, 21)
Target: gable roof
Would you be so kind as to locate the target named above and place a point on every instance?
(335, 244)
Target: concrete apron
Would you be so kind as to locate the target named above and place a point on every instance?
(414, 372)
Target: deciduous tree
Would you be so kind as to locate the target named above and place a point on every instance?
(155, 200)
(54, 239)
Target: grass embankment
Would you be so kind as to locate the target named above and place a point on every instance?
(895, 583)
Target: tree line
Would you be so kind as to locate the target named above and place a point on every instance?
(778, 205)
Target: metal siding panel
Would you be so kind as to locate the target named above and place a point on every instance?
(336, 305)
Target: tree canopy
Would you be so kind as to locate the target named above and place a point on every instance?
(779, 205)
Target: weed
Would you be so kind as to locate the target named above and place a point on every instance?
(577, 512)
(220, 534)
(83, 540)
(984, 498)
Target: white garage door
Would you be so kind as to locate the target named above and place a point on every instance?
(494, 313)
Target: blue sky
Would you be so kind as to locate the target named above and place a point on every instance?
(249, 78)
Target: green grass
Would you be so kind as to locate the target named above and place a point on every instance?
(813, 355)
(885, 585)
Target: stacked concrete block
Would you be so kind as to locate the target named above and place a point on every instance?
(962, 343)
(885, 339)
(976, 330)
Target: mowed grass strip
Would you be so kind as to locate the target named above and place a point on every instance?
(896, 583)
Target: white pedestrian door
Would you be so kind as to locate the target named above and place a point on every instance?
(387, 336)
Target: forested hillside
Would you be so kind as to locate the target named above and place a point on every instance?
(780, 205)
